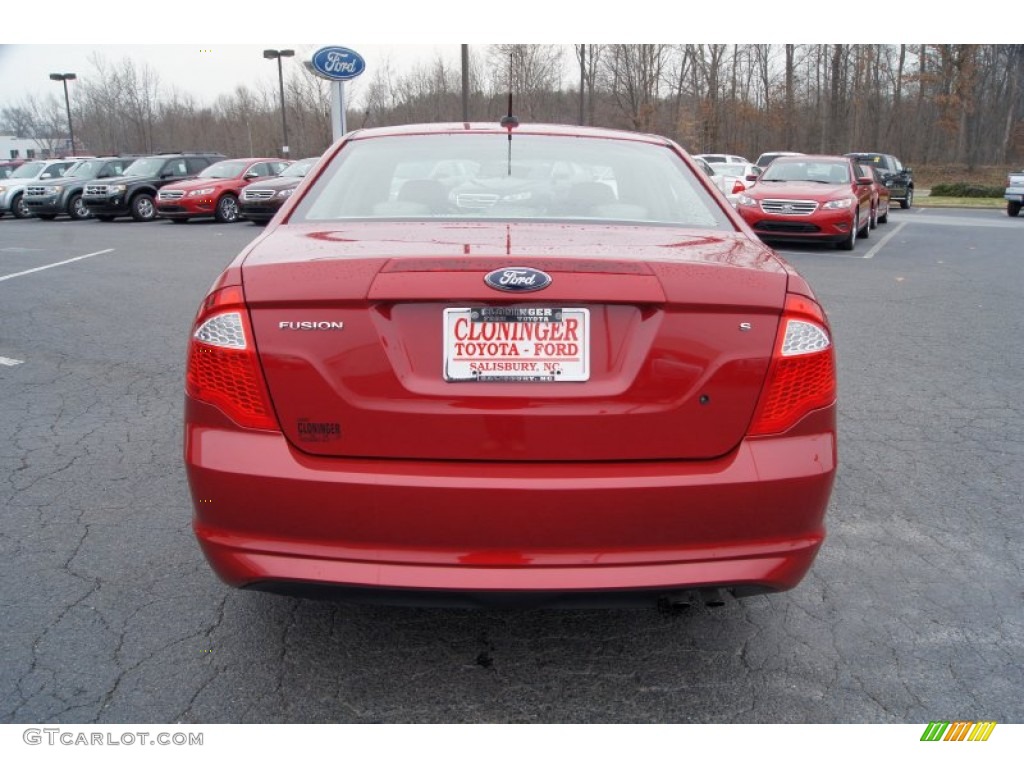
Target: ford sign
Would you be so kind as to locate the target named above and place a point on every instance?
(337, 63)
(518, 279)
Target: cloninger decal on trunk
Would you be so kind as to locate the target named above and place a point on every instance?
(318, 431)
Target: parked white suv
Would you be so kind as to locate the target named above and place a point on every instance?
(12, 189)
(766, 158)
(712, 159)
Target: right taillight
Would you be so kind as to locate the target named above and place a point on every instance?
(802, 374)
(222, 368)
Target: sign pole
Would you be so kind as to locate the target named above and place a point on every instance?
(338, 128)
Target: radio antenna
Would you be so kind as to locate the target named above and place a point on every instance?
(509, 121)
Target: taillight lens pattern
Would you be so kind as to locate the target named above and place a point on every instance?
(229, 380)
(797, 385)
(803, 338)
(223, 369)
(223, 331)
(802, 375)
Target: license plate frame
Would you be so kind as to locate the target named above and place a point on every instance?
(516, 344)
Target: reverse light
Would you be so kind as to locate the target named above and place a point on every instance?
(845, 202)
(223, 369)
(802, 374)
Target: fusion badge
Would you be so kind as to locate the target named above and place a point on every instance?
(518, 279)
(310, 325)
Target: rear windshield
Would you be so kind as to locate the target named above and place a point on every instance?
(729, 169)
(876, 160)
(485, 176)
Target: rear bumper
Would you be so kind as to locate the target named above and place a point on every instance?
(267, 515)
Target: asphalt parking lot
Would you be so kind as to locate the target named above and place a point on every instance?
(914, 610)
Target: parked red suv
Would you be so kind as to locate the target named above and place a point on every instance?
(214, 192)
(810, 197)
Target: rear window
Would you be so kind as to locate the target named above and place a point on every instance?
(875, 160)
(485, 176)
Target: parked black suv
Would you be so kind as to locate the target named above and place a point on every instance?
(132, 194)
(898, 178)
(50, 199)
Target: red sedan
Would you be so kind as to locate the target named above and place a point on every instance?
(881, 197)
(584, 378)
(214, 192)
(810, 198)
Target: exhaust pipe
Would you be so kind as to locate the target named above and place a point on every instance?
(714, 597)
(678, 602)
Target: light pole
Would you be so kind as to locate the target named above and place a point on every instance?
(270, 53)
(67, 101)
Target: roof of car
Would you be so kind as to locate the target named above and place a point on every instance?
(811, 158)
(546, 129)
(255, 160)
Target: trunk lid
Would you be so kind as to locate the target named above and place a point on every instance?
(357, 327)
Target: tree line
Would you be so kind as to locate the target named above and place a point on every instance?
(928, 104)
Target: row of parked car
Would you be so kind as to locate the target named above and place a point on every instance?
(179, 186)
(790, 196)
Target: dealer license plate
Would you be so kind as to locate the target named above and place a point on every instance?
(531, 344)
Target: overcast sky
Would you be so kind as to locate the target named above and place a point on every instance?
(229, 52)
(205, 72)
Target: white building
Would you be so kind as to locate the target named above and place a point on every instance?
(13, 148)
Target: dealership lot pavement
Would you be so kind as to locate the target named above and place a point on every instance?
(914, 610)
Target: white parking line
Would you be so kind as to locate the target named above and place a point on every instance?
(10, 361)
(55, 264)
(878, 246)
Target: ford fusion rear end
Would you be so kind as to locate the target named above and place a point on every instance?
(581, 374)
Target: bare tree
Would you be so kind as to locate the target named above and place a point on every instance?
(634, 77)
(531, 73)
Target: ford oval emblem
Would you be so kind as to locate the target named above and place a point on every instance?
(518, 279)
(337, 63)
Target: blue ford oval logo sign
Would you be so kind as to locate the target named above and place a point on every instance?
(337, 63)
(518, 279)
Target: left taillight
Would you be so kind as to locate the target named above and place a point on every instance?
(802, 374)
(223, 369)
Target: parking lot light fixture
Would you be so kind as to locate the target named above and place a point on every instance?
(67, 101)
(271, 53)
